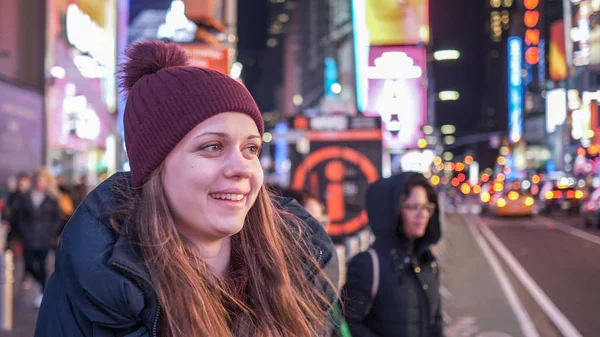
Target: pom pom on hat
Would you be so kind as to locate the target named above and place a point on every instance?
(148, 57)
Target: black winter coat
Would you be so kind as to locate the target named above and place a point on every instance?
(38, 227)
(101, 287)
(407, 303)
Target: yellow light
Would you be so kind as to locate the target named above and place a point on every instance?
(267, 137)
(498, 187)
(442, 55)
(460, 167)
(297, 100)
(448, 95)
(435, 180)
(448, 129)
(476, 189)
(501, 160)
(449, 140)
(468, 160)
(465, 188)
(501, 202)
(437, 161)
(485, 197)
(529, 201)
(422, 143)
(578, 194)
(589, 134)
(535, 179)
(448, 156)
(512, 195)
(549, 195)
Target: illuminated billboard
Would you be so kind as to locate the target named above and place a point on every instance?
(393, 22)
(385, 23)
(207, 56)
(515, 89)
(557, 54)
(397, 91)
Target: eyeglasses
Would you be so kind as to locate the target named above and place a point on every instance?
(429, 208)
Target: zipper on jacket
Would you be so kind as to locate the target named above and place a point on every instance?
(315, 269)
(134, 273)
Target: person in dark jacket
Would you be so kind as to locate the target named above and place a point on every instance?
(404, 216)
(9, 216)
(189, 243)
(37, 216)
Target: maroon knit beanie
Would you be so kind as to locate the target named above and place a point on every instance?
(167, 98)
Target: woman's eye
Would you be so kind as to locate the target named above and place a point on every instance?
(254, 149)
(211, 148)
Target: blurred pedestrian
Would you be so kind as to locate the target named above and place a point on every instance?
(393, 289)
(37, 216)
(16, 201)
(189, 243)
(312, 205)
(79, 191)
(65, 202)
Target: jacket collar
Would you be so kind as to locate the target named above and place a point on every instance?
(127, 259)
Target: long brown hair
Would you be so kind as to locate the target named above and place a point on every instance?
(282, 299)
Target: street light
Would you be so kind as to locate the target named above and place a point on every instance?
(443, 55)
(448, 95)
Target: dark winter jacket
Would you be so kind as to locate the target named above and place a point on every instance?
(101, 288)
(407, 303)
(37, 227)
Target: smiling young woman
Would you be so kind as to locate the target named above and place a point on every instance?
(190, 243)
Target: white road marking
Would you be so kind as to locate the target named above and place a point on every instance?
(574, 231)
(566, 328)
(525, 321)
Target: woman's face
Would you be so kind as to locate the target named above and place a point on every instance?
(42, 182)
(416, 212)
(213, 176)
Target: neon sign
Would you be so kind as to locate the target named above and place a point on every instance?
(532, 33)
(394, 65)
(85, 35)
(515, 89)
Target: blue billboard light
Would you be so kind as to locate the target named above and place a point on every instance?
(361, 51)
(515, 89)
(331, 76)
(281, 149)
(542, 63)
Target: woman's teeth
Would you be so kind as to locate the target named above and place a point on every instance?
(227, 196)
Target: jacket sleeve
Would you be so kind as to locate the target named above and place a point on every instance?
(438, 325)
(85, 297)
(357, 294)
(58, 316)
(7, 211)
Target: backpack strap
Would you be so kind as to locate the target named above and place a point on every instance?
(375, 285)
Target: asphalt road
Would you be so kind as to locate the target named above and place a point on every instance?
(562, 258)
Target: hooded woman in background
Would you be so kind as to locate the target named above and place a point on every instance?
(403, 298)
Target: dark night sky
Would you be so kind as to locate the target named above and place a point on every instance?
(455, 27)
